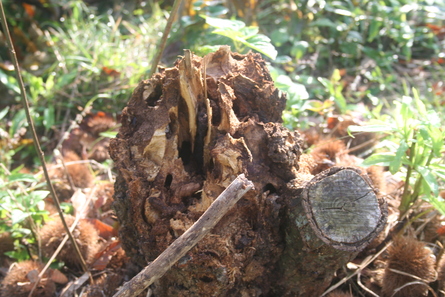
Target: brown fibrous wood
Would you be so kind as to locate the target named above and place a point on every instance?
(186, 134)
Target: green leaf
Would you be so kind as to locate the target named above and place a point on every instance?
(324, 22)
(18, 254)
(109, 134)
(314, 105)
(429, 178)
(406, 112)
(22, 177)
(355, 36)
(298, 49)
(341, 103)
(372, 128)
(394, 166)
(438, 167)
(424, 133)
(420, 106)
(66, 79)
(39, 195)
(238, 32)
(206, 49)
(437, 138)
(279, 36)
(216, 10)
(48, 117)
(440, 174)
(9, 81)
(18, 121)
(249, 32)
(433, 119)
(262, 44)
(383, 159)
(295, 90)
(224, 23)
(437, 202)
(4, 112)
(343, 12)
(325, 82)
(49, 84)
(374, 30)
(283, 59)
(18, 216)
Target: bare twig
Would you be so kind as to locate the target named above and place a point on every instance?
(359, 282)
(188, 240)
(64, 240)
(167, 29)
(65, 170)
(414, 283)
(365, 263)
(413, 276)
(34, 134)
(54, 255)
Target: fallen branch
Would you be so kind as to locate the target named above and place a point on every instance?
(189, 239)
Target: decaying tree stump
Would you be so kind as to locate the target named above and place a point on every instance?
(186, 134)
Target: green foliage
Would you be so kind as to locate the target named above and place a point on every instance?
(315, 39)
(350, 28)
(21, 209)
(90, 61)
(90, 58)
(242, 36)
(11, 133)
(113, 54)
(414, 149)
(297, 95)
(211, 27)
(335, 88)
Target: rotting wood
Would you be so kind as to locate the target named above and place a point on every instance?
(186, 134)
(189, 239)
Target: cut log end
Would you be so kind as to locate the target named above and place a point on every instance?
(342, 208)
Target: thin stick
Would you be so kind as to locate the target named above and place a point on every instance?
(34, 135)
(54, 255)
(188, 240)
(359, 282)
(65, 170)
(364, 264)
(161, 46)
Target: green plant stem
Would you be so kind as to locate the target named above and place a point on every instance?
(417, 185)
(406, 196)
(167, 29)
(40, 153)
(416, 189)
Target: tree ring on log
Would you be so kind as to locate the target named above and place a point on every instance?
(342, 208)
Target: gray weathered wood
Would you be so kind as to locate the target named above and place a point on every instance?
(330, 220)
(342, 208)
(189, 239)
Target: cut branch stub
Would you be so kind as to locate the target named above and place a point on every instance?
(342, 208)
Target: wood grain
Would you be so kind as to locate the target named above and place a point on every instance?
(342, 208)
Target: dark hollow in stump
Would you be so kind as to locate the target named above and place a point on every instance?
(186, 134)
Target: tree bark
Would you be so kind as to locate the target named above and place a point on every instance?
(186, 134)
(331, 218)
